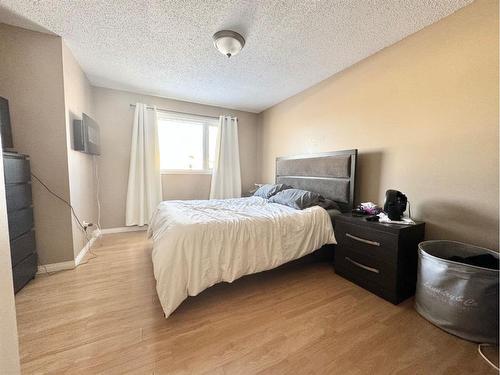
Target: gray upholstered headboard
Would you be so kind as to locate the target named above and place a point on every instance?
(331, 174)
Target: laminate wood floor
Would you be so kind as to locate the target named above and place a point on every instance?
(105, 318)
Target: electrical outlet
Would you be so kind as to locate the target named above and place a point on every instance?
(86, 225)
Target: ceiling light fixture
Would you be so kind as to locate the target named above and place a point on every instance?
(228, 42)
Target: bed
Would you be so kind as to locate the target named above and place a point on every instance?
(199, 243)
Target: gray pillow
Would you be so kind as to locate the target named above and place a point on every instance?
(328, 204)
(296, 198)
(268, 190)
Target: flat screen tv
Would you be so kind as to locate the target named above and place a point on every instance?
(5, 127)
(86, 137)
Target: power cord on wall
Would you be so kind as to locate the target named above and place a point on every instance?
(60, 198)
(98, 187)
(82, 227)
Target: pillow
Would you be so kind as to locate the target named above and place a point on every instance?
(328, 204)
(268, 190)
(296, 198)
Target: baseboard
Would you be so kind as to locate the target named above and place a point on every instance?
(54, 267)
(95, 235)
(123, 229)
(70, 264)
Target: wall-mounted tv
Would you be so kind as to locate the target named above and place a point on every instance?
(86, 137)
(5, 127)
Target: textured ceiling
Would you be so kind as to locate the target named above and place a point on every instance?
(164, 48)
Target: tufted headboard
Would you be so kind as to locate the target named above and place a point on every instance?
(331, 174)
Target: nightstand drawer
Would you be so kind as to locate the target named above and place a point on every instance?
(367, 241)
(363, 268)
(352, 274)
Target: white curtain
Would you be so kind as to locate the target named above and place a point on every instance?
(226, 175)
(144, 179)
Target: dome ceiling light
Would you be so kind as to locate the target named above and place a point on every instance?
(228, 42)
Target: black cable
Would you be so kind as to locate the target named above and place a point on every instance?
(77, 219)
(60, 198)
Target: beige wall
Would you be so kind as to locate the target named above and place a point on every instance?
(31, 78)
(423, 114)
(9, 353)
(78, 99)
(186, 186)
(112, 111)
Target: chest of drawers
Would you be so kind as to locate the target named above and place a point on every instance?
(20, 217)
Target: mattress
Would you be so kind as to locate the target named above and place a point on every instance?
(197, 244)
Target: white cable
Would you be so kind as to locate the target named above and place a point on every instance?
(484, 357)
(96, 174)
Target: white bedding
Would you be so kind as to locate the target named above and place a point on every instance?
(200, 243)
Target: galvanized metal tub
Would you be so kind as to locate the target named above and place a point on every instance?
(461, 299)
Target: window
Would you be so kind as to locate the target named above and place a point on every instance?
(187, 142)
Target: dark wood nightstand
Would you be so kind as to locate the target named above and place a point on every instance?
(379, 257)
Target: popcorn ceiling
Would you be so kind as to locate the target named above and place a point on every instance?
(165, 48)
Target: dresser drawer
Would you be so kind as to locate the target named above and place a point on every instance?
(367, 241)
(20, 222)
(22, 247)
(361, 267)
(379, 279)
(18, 196)
(24, 271)
(352, 274)
(16, 170)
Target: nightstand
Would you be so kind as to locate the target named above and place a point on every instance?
(381, 258)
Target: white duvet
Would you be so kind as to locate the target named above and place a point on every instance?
(200, 243)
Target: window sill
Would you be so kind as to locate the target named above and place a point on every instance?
(185, 171)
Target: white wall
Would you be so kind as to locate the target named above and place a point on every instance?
(82, 184)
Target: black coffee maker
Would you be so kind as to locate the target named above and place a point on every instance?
(395, 204)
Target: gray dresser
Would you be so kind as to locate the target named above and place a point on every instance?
(20, 216)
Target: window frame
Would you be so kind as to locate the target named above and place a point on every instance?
(207, 122)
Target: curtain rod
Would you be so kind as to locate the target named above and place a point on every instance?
(183, 113)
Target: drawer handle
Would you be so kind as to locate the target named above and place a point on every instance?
(363, 240)
(374, 270)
